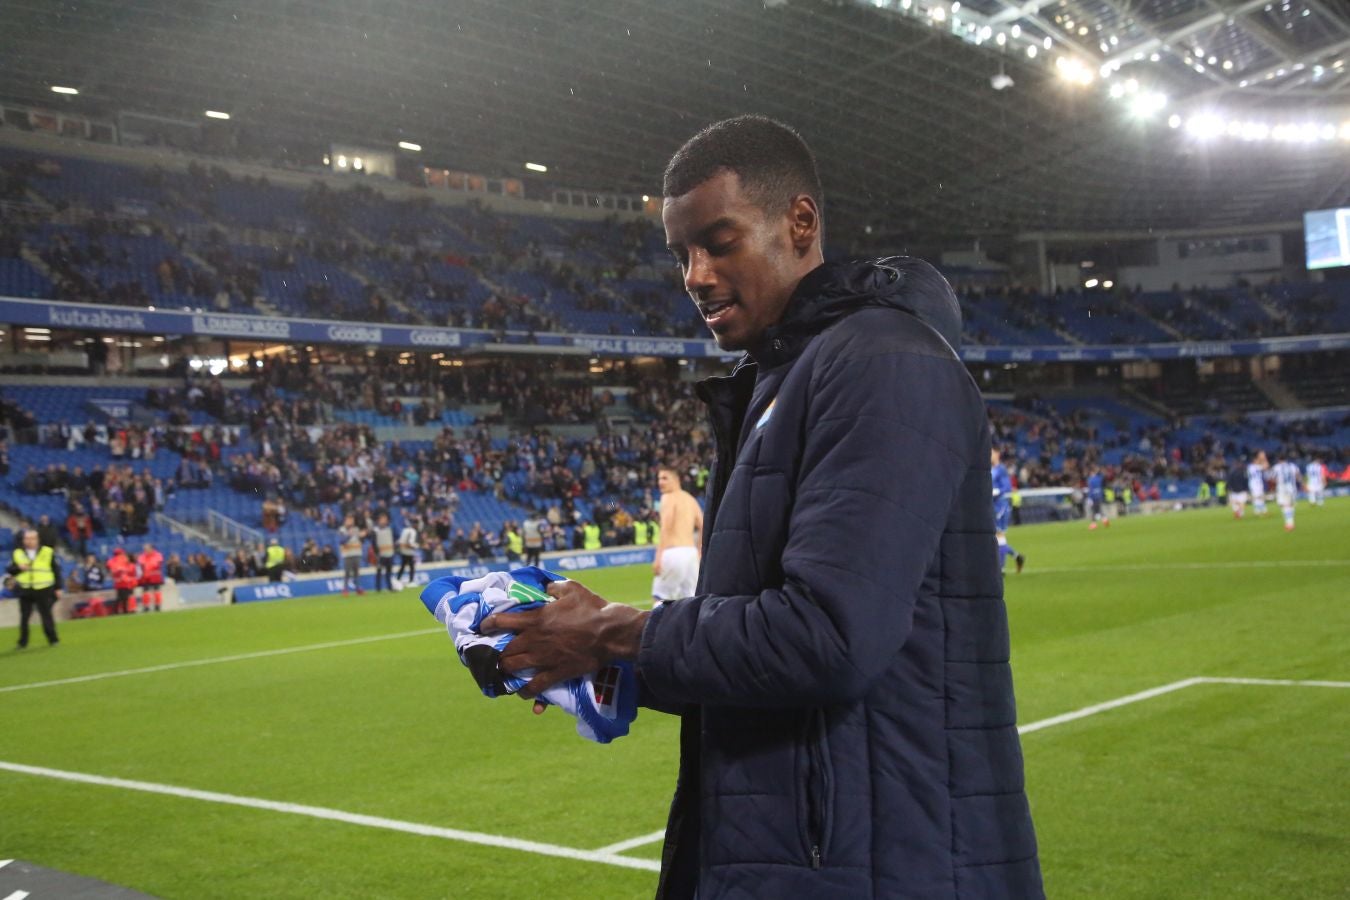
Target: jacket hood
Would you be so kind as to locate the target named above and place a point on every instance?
(834, 290)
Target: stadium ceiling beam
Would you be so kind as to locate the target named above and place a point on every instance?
(1167, 38)
(1153, 35)
(1156, 234)
(1331, 14)
(1306, 59)
(1259, 32)
(1014, 11)
(1311, 58)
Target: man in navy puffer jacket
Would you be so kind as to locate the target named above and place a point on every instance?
(842, 673)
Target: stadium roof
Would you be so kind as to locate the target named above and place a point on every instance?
(895, 95)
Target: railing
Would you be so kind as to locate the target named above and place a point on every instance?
(184, 529)
(231, 530)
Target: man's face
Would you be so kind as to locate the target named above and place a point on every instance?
(30, 540)
(739, 263)
(666, 482)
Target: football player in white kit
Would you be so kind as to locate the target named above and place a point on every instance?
(1315, 482)
(1256, 482)
(1287, 479)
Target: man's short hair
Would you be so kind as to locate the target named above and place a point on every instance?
(771, 159)
(672, 469)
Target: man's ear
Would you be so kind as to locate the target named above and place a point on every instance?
(804, 223)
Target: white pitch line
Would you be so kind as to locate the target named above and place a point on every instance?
(337, 815)
(17, 895)
(1196, 567)
(187, 664)
(633, 842)
(608, 855)
(1073, 716)
(1109, 704)
(5, 862)
(1276, 682)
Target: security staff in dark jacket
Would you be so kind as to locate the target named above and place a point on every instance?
(37, 576)
(842, 674)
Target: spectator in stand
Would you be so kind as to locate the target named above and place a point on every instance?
(94, 577)
(173, 568)
(80, 528)
(46, 532)
(460, 548)
(309, 557)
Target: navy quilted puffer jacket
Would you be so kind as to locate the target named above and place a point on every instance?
(848, 721)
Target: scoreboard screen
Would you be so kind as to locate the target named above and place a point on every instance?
(1326, 235)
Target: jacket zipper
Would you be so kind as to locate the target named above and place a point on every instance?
(818, 788)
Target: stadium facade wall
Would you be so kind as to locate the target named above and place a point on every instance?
(331, 582)
(135, 320)
(40, 143)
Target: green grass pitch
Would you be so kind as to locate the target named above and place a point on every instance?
(1215, 790)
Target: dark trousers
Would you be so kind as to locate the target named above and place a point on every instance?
(384, 568)
(274, 572)
(409, 562)
(42, 600)
(531, 556)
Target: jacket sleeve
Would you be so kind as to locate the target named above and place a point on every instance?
(888, 440)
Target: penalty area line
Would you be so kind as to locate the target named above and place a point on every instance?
(1159, 691)
(191, 663)
(629, 844)
(336, 815)
(1073, 716)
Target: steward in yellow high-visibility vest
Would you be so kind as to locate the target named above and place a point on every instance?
(515, 544)
(641, 533)
(36, 572)
(592, 539)
(37, 576)
(275, 562)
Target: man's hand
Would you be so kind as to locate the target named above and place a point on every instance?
(575, 634)
(656, 566)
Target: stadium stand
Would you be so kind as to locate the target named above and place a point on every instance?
(205, 238)
(208, 471)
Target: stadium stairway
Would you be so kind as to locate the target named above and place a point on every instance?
(1279, 395)
(1143, 312)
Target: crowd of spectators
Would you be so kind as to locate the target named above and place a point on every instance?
(297, 461)
(1068, 445)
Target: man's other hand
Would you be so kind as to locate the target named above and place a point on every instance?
(575, 634)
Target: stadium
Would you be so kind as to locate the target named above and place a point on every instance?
(305, 306)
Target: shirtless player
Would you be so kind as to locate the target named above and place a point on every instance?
(677, 554)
